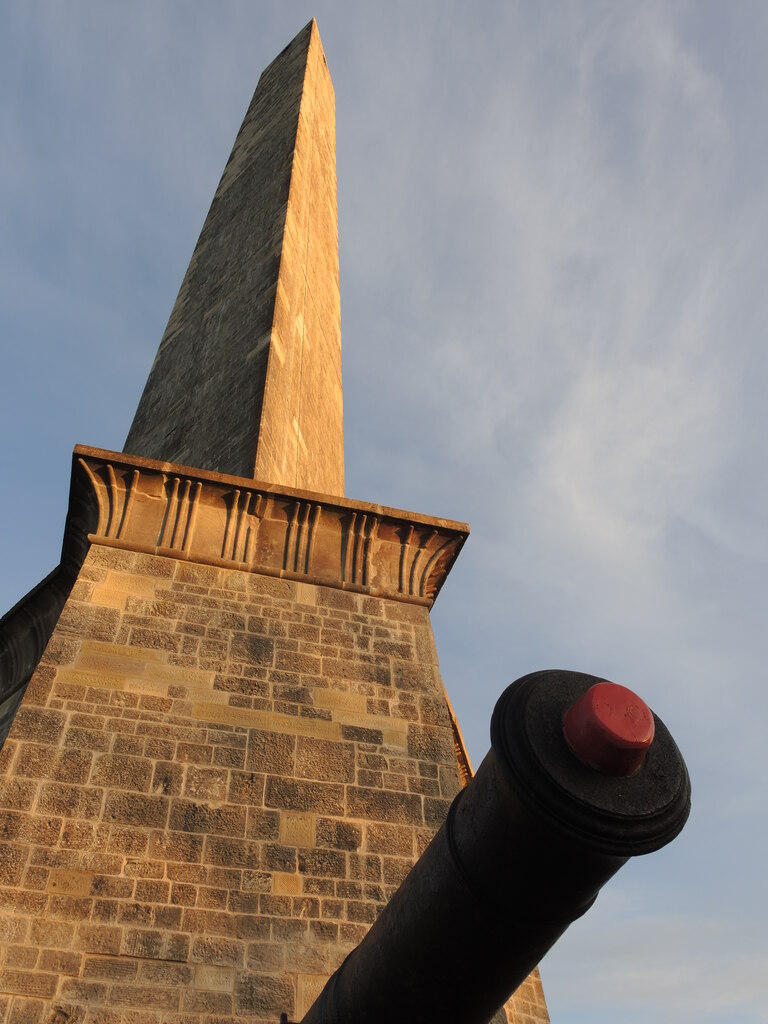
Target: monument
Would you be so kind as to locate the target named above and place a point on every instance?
(229, 739)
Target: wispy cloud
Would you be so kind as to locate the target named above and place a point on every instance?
(667, 968)
(552, 223)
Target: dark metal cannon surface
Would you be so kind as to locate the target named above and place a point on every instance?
(526, 848)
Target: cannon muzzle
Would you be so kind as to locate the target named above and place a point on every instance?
(552, 813)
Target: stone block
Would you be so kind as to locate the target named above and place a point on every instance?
(167, 778)
(297, 829)
(365, 867)
(33, 759)
(70, 883)
(13, 929)
(59, 962)
(206, 784)
(225, 852)
(286, 884)
(175, 947)
(435, 811)
(169, 845)
(207, 1003)
(109, 968)
(251, 650)
(357, 671)
(160, 972)
(361, 734)
(450, 782)
(50, 933)
(415, 676)
(246, 788)
(338, 834)
(141, 942)
(430, 743)
(151, 997)
(265, 958)
(88, 739)
(88, 621)
(216, 950)
(19, 956)
(21, 902)
(40, 725)
(13, 859)
(263, 995)
(270, 752)
(307, 958)
(361, 911)
(70, 801)
(222, 820)
(324, 863)
(340, 699)
(263, 824)
(22, 1010)
(115, 888)
(296, 795)
(92, 993)
(227, 757)
(209, 922)
(133, 809)
(275, 857)
(143, 868)
(151, 891)
(395, 870)
(325, 759)
(102, 939)
(380, 805)
(122, 772)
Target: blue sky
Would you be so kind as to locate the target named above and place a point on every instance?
(552, 224)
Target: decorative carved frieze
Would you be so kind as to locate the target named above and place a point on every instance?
(146, 505)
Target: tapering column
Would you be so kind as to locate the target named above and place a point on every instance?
(247, 378)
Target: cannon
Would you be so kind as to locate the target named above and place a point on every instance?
(580, 777)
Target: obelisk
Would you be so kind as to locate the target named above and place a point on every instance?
(235, 740)
(247, 379)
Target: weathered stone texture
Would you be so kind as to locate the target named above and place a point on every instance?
(247, 379)
(208, 818)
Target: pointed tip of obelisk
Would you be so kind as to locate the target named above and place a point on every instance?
(313, 34)
(306, 37)
(309, 30)
(301, 41)
(314, 37)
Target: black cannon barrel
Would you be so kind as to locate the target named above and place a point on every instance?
(525, 849)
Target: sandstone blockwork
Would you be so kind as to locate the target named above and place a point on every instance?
(214, 783)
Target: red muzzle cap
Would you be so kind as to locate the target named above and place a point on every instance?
(610, 729)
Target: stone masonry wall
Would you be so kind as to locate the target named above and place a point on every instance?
(215, 781)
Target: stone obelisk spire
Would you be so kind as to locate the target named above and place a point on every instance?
(247, 378)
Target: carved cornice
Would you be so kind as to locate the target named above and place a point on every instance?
(143, 505)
